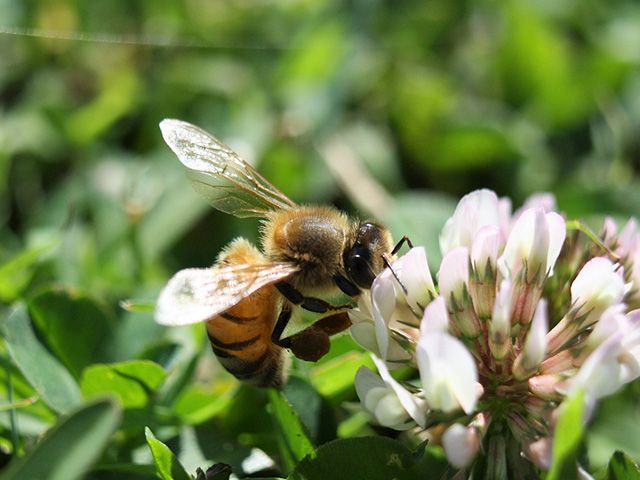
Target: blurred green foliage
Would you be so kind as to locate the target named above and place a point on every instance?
(426, 100)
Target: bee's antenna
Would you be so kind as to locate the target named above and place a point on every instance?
(387, 263)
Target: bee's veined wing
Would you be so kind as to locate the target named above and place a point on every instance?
(198, 294)
(217, 173)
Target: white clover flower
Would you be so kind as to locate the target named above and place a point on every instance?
(480, 340)
(474, 211)
(533, 245)
(599, 285)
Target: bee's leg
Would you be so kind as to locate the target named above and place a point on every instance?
(312, 304)
(312, 343)
(346, 285)
(281, 323)
(399, 245)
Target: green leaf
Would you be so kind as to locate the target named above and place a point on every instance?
(50, 379)
(69, 448)
(16, 272)
(611, 429)
(365, 458)
(315, 413)
(74, 326)
(293, 439)
(197, 403)
(621, 467)
(334, 378)
(566, 440)
(429, 463)
(133, 382)
(167, 465)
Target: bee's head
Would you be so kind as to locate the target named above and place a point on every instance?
(363, 260)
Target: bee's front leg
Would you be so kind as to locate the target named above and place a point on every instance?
(312, 304)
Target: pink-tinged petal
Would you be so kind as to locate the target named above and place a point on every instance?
(500, 323)
(413, 271)
(501, 317)
(528, 243)
(536, 342)
(461, 444)
(598, 285)
(609, 230)
(539, 452)
(435, 318)
(453, 275)
(535, 239)
(600, 374)
(448, 373)
(504, 215)
(545, 386)
(611, 321)
(412, 404)
(485, 248)
(475, 210)
(543, 200)
(557, 233)
(528, 361)
(629, 238)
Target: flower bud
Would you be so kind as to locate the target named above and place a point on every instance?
(529, 359)
(598, 285)
(453, 278)
(533, 246)
(413, 272)
(461, 444)
(484, 255)
(539, 452)
(381, 401)
(500, 325)
(474, 211)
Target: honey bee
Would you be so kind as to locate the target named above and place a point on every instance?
(308, 250)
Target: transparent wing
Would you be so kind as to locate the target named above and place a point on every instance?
(198, 294)
(218, 174)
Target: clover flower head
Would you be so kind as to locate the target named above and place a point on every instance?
(522, 315)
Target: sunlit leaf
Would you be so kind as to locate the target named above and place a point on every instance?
(50, 379)
(567, 438)
(167, 465)
(76, 328)
(315, 413)
(293, 438)
(334, 378)
(621, 467)
(132, 382)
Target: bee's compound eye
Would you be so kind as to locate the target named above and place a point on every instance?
(358, 266)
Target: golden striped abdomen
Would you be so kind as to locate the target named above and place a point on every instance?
(241, 339)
